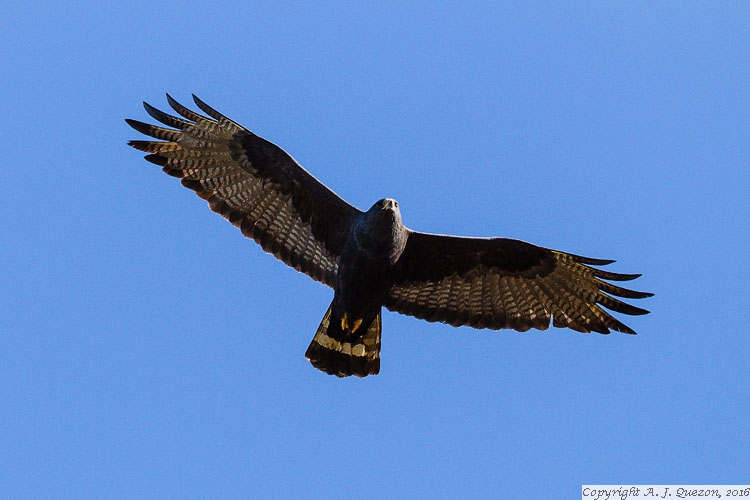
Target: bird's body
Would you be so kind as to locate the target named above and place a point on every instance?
(369, 258)
(365, 275)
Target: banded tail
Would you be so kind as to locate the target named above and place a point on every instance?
(338, 355)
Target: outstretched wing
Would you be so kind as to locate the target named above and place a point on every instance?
(254, 184)
(503, 283)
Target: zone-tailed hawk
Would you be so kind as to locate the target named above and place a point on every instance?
(369, 258)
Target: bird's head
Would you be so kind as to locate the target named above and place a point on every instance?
(382, 222)
(385, 212)
(386, 204)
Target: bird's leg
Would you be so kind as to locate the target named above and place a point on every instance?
(346, 327)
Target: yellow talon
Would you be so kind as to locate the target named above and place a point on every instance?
(344, 322)
(357, 324)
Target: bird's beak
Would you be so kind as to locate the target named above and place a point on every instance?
(388, 204)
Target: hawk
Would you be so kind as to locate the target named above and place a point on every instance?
(369, 258)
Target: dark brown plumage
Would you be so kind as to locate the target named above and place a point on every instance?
(369, 258)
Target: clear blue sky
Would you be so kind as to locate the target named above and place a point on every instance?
(148, 350)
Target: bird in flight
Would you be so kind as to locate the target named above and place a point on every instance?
(370, 258)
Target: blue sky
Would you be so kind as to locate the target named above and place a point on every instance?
(148, 350)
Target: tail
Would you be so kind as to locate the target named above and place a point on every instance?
(358, 356)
